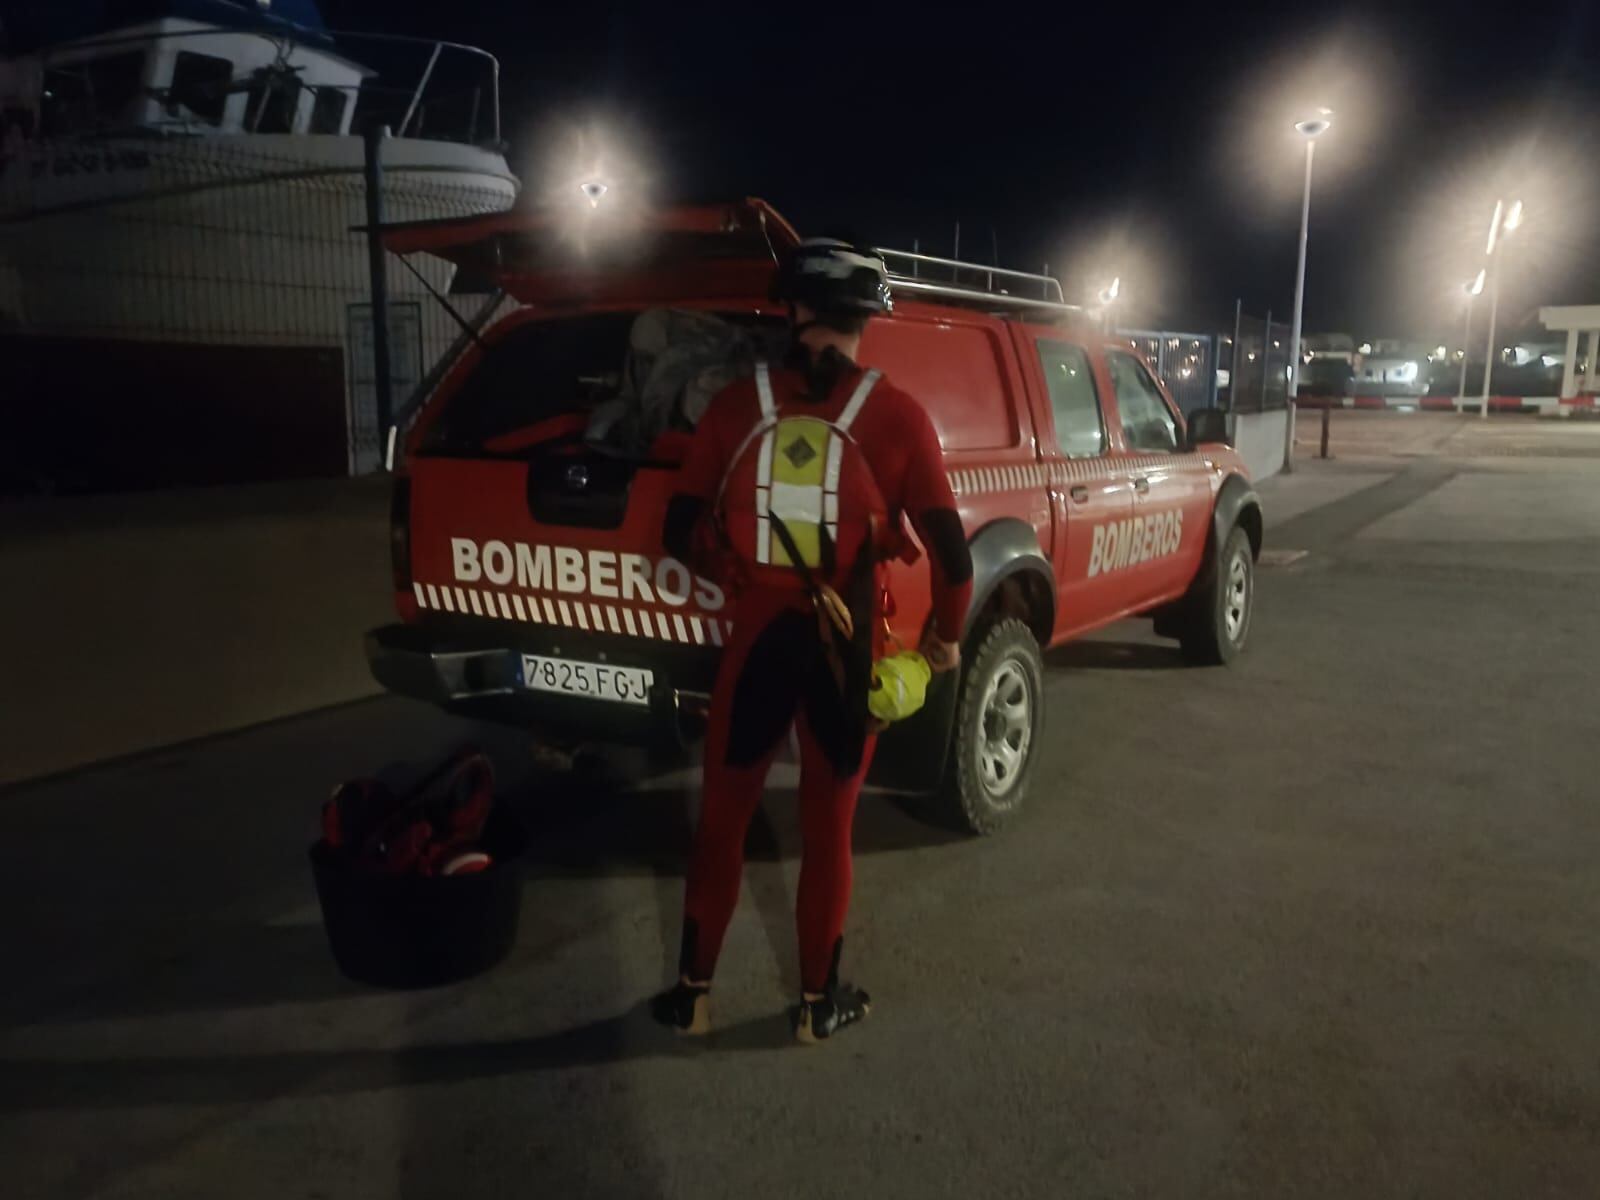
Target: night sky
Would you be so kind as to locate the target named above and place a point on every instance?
(1102, 138)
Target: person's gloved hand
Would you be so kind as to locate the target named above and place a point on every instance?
(941, 655)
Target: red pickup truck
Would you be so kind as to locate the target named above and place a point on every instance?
(529, 575)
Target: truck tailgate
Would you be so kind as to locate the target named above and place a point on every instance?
(545, 544)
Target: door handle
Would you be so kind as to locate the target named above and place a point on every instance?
(1079, 493)
(1142, 486)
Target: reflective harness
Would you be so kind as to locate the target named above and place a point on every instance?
(797, 474)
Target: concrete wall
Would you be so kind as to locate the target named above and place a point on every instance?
(135, 621)
(1258, 437)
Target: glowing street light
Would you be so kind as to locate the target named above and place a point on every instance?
(1504, 222)
(1310, 130)
(1108, 297)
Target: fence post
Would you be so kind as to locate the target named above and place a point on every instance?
(373, 138)
(1266, 358)
(1327, 408)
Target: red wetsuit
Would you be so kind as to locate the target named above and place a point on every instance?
(771, 677)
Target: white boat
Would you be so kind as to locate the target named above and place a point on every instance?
(182, 296)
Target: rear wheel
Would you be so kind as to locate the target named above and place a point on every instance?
(999, 716)
(1218, 621)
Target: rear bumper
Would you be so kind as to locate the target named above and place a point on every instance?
(479, 675)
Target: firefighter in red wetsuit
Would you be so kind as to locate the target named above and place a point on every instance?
(794, 492)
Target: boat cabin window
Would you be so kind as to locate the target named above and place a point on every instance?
(93, 94)
(199, 90)
(327, 113)
(274, 100)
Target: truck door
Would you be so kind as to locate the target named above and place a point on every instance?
(1171, 490)
(1088, 492)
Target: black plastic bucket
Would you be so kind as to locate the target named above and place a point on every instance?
(411, 931)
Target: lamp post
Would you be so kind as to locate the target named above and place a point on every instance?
(1502, 224)
(1473, 290)
(1108, 297)
(1310, 130)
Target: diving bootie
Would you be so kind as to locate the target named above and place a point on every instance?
(817, 1019)
(685, 1008)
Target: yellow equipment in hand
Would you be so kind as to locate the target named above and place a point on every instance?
(899, 686)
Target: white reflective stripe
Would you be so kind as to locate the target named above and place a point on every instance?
(830, 510)
(857, 399)
(611, 616)
(583, 617)
(661, 621)
(477, 602)
(566, 613)
(449, 604)
(549, 612)
(716, 631)
(522, 613)
(764, 459)
(830, 472)
(627, 619)
(461, 600)
(433, 596)
(678, 625)
(599, 625)
(422, 596)
(505, 606)
(699, 627)
(764, 390)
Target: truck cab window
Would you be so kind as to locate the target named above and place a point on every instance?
(1147, 422)
(1080, 431)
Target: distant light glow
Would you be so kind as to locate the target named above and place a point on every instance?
(1550, 360)
(1475, 288)
(1494, 226)
(1514, 216)
(1366, 347)
(593, 190)
(1440, 351)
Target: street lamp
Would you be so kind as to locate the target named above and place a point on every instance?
(1473, 290)
(1108, 297)
(1504, 222)
(1310, 130)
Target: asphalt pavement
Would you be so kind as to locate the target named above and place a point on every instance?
(1320, 924)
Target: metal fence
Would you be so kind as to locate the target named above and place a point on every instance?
(1257, 361)
(1186, 362)
(187, 310)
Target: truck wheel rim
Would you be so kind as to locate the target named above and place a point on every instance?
(1236, 598)
(1007, 729)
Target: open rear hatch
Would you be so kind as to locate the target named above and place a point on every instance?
(517, 530)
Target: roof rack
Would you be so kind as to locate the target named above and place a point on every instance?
(974, 284)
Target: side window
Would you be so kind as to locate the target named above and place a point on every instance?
(1080, 431)
(1147, 422)
(199, 88)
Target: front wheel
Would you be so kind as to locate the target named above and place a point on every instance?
(1218, 624)
(999, 716)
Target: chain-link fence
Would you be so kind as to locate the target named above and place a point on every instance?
(1257, 362)
(189, 309)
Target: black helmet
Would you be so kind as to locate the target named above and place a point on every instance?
(834, 277)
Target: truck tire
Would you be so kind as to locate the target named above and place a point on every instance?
(999, 716)
(1217, 624)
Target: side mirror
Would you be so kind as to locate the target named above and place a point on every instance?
(1206, 425)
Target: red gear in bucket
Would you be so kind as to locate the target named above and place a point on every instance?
(794, 492)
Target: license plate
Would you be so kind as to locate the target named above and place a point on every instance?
(597, 681)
